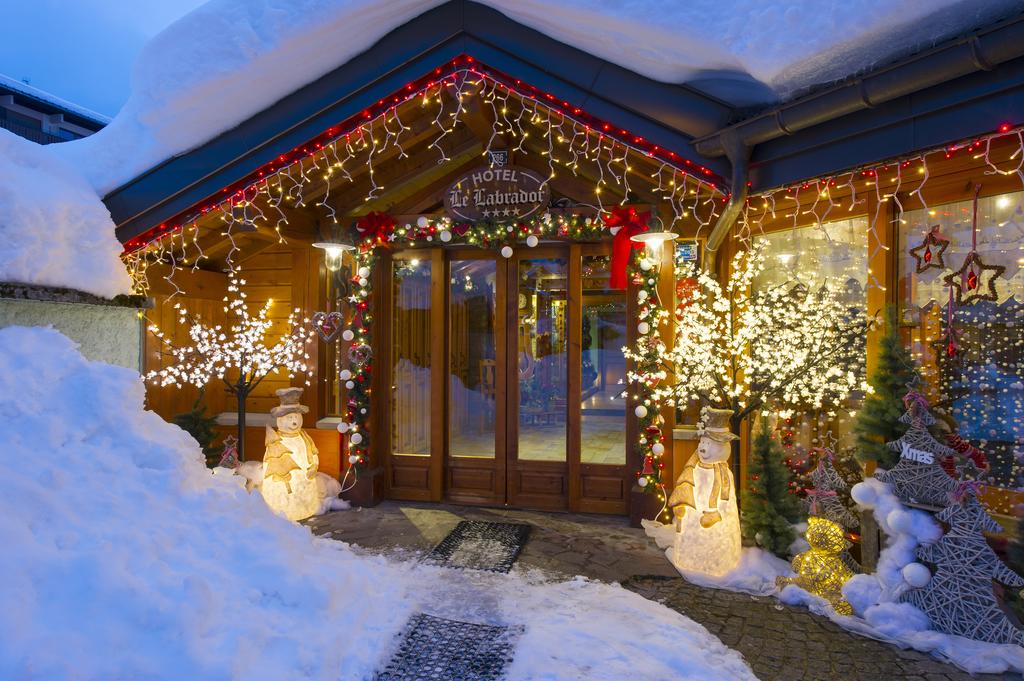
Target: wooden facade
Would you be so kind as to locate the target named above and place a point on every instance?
(422, 353)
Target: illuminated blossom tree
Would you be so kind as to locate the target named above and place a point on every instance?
(786, 347)
(238, 354)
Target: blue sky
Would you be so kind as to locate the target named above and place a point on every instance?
(82, 50)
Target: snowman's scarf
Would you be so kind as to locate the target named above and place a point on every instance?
(682, 495)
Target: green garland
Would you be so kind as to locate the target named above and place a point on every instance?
(359, 335)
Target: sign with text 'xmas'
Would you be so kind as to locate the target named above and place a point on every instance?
(500, 194)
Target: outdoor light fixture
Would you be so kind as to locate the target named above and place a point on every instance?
(333, 251)
(654, 241)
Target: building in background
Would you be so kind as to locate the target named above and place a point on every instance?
(41, 117)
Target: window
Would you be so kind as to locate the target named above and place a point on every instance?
(980, 389)
(837, 250)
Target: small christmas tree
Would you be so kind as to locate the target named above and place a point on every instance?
(769, 509)
(823, 495)
(878, 420)
(959, 598)
(918, 477)
(200, 426)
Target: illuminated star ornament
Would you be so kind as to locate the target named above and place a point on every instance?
(930, 253)
(974, 280)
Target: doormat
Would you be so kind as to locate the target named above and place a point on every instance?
(476, 545)
(436, 649)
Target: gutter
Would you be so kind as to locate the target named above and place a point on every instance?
(739, 157)
(980, 51)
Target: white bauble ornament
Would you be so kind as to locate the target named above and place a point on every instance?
(350, 384)
(506, 251)
(430, 238)
(642, 482)
(640, 411)
(363, 272)
(445, 235)
(347, 334)
(642, 295)
(345, 374)
(643, 328)
(343, 427)
(353, 459)
(422, 222)
(363, 281)
(658, 449)
(355, 438)
(362, 411)
(646, 265)
(916, 575)
(532, 241)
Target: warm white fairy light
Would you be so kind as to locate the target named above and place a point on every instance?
(237, 350)
(794, 346)
(238, 354)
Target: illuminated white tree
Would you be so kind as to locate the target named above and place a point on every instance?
(237, 354)
(786, 347)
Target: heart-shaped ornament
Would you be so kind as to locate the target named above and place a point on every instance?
(328, 325)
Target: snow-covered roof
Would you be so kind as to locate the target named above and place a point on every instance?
(54, 229)
(230, 59)
(43, 96)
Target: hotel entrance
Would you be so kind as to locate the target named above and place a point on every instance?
(505, 378)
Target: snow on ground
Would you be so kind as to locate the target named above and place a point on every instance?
(755, 574)
(125, 558)
(54, 230)
(230, 59)
(873, 596)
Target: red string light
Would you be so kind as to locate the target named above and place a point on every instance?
(412, 90)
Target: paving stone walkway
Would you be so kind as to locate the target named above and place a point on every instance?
(778, 641)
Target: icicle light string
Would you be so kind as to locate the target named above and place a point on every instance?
(912, 185)
(608, 150)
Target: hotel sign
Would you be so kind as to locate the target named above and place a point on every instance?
(501, 194)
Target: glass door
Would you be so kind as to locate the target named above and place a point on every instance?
(539, 404)
(476, 424)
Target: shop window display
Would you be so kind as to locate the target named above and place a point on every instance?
(970, 352)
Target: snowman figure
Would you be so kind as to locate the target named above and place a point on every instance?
(291, 461)
(706, 520)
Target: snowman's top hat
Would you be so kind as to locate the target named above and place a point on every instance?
(716, 425)
(289, 402)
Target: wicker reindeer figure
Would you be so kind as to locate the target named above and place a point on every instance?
(960, 599)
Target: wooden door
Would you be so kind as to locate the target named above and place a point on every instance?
(502, 375)
(475, 378)
(537, 312)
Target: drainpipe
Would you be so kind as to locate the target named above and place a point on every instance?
(739, 156)
(980, 51)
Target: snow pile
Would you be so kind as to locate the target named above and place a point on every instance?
(230, 59)
(54, 230)
(124, 558)
(755, 574)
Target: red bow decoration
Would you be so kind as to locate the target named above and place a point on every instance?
(375, 227)
(631, 222)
